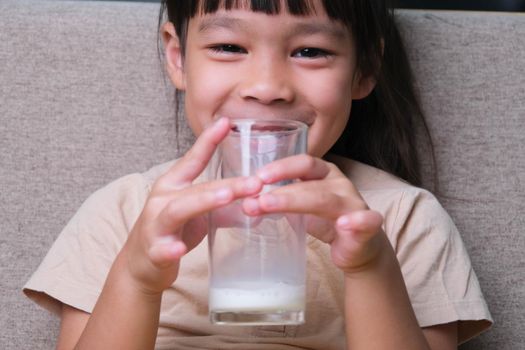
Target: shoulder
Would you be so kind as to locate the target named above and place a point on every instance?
(119, 202)
(132, 185)
(367, 178)
(436, 268)
(75, 268)
(397, 200)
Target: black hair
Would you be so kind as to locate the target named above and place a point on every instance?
(382, 128)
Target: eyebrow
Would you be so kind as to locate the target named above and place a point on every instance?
(310, 28)
(319, 28)
(209, 24)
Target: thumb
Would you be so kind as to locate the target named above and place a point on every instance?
(360, 225)
(355, 242)
(166, 250)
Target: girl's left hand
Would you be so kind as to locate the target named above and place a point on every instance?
(335, 211)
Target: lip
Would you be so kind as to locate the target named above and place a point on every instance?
(305, 120)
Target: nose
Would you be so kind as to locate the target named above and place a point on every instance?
(267, 82)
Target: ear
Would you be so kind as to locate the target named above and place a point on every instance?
(362, 86)
(174, 56)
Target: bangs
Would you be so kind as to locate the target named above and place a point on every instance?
(270, 7)
(340, 10)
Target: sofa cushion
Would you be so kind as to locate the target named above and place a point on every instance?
(83, 101)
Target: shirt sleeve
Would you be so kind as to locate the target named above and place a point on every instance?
(74, 270)
(441, 283)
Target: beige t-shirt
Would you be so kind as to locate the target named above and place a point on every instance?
(441, 283)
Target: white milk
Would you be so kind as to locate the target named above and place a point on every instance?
(258, 296)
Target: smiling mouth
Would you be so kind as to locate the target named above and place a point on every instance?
(265, 126)
(307, 121)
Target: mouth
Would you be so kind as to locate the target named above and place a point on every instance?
(299, 118)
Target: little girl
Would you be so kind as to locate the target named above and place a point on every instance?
(386, 266)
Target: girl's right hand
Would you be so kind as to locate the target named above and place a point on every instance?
(173, 220)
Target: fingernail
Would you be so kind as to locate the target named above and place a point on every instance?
(264, 175)
(223, 194)
(178, 248)
(343, 222)
(252, 184)
(213, 123)
(269, 201)
(222, 120)
(165, 240)
(251, 206)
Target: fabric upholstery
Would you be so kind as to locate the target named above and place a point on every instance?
(470, 72)
(83, 101)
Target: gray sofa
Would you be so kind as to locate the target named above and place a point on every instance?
(83, 100)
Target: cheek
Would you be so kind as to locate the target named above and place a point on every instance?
(332, 91)
(205, 91)
(335, 97)
(333, 104)
(324, 133)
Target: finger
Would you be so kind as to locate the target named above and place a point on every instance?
(310, 197)
(356, 242)
(194, 232)
(302, 167)
(361, 225)
(191, 165)
(165, 250)
(199, 199)
(320, 228)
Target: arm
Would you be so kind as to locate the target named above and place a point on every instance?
(124, 317)
(173, 222)
(443, 336)
(378, 312)
(133, 319)
(377, 307)
(377, 303)
(72, 324)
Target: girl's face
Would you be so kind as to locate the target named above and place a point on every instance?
(244, 64)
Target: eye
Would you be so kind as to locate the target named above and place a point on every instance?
(227, 48)
(311, 52)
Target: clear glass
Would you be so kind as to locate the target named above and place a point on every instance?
(257, 264)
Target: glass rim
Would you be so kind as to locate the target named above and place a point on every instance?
(288, 126)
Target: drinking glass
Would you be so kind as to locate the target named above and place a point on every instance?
(257, 264)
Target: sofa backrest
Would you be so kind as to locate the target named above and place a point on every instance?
(83, 101)
(470, 69)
